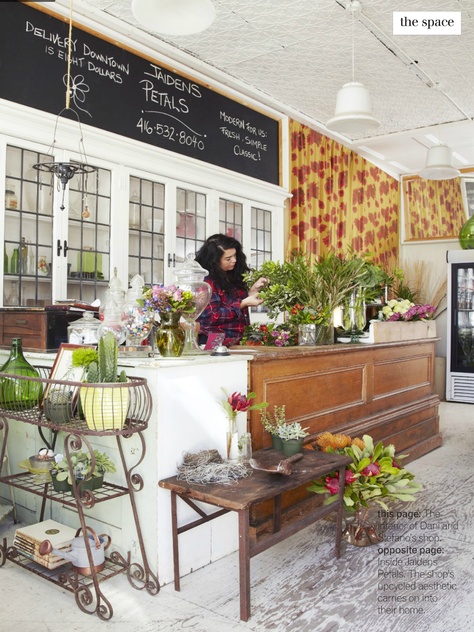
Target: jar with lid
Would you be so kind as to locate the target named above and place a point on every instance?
(138, 320)
(191, 277)
(84, 330)
(11, 201)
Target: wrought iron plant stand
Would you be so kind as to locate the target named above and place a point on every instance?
(77, 435)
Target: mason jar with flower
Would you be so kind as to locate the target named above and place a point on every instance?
(169, 303)
(233, 405)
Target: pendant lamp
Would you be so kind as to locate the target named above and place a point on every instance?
(64, 171)
(353, 113)
(439, 164)
(174, 17)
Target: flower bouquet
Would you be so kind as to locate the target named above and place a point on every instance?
(170, 303)
(168, 299)
(374, 476)
(403, 309)
(270, 335)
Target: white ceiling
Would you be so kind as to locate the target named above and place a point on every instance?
(296, 54)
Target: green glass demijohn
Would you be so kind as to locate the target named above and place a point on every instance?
(15, 393)
(466, 235)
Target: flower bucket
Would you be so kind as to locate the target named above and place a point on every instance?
(105, 408)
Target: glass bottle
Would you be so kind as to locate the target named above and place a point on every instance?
(15, 393)
(14, 262)
(5, 260)
(24, 256)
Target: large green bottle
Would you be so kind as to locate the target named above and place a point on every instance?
(18, 394)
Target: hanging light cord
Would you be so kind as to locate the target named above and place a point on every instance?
(69, 52)
(353, 54)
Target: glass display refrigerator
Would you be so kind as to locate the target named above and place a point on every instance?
(460, 339)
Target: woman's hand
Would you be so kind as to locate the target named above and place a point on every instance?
(257, 286)
(251, 301)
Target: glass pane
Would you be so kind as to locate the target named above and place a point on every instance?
(28, 229)
(146, 208)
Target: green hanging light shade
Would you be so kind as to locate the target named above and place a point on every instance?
(466, 235)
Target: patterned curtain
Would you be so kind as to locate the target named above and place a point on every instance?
(434, 209)
(340, 200)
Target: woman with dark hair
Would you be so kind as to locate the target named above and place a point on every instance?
(227, 312)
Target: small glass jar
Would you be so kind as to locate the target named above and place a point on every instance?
(84, 330)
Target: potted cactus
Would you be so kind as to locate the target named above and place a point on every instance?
(105, 408)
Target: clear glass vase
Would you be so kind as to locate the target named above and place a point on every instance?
(170, 335)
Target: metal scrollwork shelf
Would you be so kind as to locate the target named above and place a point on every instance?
(81, 423)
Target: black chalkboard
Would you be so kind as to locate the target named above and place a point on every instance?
(121, 92)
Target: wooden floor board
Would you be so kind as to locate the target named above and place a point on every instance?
(298, 585)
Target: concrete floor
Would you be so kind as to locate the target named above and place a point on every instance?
(298, 585)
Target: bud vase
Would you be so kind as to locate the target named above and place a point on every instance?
(232, 440)
(170, 335)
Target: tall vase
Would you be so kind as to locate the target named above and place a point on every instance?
(232, 440)
(170, 335)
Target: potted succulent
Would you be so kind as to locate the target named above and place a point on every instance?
(104, 408)
(292, 436)
(81, 465)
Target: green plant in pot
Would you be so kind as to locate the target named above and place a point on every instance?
(272, 422)
(104, 408)
(58, 406)
(81, 466)
(292, 436)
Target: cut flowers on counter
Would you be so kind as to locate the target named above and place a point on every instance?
(403, 309)
(270, 335)
(374, 476)
(171, 299)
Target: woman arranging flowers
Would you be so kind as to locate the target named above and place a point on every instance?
(227, 311)
(374, 477)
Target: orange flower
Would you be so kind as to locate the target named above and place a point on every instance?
(359, 443)
(338, 441)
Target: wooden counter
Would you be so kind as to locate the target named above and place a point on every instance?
(385, 390)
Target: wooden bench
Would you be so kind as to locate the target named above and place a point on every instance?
(244, 494)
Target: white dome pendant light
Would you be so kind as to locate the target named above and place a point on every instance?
(439, 164)
(353, 113)
(174, 17)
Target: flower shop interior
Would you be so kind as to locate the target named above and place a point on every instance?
(123, 148)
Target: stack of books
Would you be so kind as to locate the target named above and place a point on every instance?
(27, 541)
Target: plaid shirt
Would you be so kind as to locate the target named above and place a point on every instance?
(223, 314)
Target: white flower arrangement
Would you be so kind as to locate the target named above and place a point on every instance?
(396, 306)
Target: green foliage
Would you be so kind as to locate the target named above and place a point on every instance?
(100, 364)
(273, 421)
(323, 285)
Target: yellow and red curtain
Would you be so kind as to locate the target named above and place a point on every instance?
(434, 209)
(340, 201)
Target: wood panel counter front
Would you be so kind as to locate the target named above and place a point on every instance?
(384, 390)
